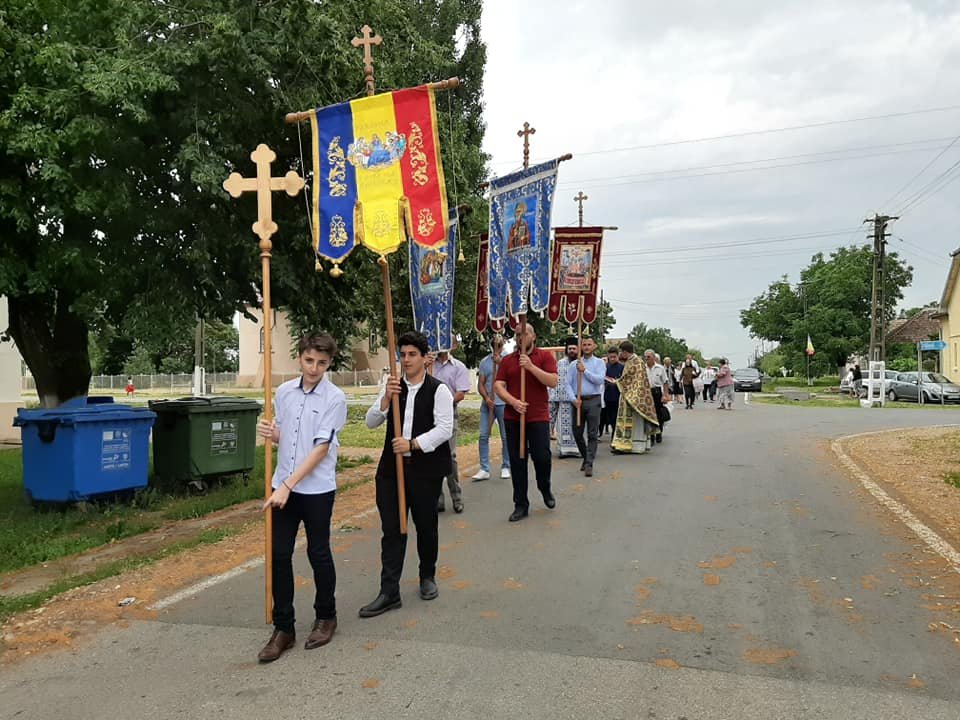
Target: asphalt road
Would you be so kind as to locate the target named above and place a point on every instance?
(733, 573)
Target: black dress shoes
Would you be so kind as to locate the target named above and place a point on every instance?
(382, 604)
(428, 589)
(550, 501)
(518, 514)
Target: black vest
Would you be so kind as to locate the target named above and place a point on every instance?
(431, 464)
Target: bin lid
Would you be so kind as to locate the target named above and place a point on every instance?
(218, 404)
(92, 409)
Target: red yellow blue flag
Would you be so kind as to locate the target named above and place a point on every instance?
(378, 177)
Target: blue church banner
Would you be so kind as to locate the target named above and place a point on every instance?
(431, 288)
(520, 208)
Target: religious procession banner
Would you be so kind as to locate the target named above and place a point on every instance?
(377, 174)
(519, 255)
(574, 274)
(482, 319)
(431, 288)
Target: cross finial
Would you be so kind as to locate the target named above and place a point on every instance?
(263, 184)
(579, 200)
(525, 134)
(367, 41)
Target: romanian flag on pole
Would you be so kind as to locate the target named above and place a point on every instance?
(809, 350)
(377, 174)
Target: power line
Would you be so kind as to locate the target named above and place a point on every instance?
(922, 171)
(748, 133)
(732, 243)
(599, 183)
(836, 151)
(724, 258)
(929, 190)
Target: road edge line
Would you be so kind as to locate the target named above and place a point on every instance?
(207, 583)
(928, 535)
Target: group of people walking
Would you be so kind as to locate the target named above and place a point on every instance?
(574, 398)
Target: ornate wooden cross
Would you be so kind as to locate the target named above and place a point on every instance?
(579, 200)
(525, 134)
(367, 41)
(265, 185)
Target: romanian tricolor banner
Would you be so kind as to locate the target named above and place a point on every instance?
(810, 351)
(520, 208)
(432, 272)
(574, 274)
(377, 174)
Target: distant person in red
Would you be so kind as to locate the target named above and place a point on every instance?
(130, 388)
(541, 368)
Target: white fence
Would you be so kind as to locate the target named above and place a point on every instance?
(217, 381)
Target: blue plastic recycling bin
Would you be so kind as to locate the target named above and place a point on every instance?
(84, 448)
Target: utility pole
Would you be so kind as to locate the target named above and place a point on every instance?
(877, 297)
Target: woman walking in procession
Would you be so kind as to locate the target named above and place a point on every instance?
(725, 386)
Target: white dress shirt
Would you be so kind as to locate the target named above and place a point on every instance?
(305, 420)
(439, 434)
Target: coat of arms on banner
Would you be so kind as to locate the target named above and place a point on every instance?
(519, 240)
(575, 273)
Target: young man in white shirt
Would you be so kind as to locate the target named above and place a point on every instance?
(310, 412)
(426, 409)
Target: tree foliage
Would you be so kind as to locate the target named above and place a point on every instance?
(661, 340)
(119, 121)
(831, 304)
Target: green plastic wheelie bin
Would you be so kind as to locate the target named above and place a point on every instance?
(198, 438)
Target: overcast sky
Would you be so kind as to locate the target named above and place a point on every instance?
(598, 79)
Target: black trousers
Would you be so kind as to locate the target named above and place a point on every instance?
(422, 494)
(590, 420)
(608, 417)
(314, 511)
(538, 450)
(690, 394)
(710, 389)
(657, 394)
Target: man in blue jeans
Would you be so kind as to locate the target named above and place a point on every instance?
(491, 409)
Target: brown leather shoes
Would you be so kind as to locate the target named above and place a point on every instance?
(321, 634)
(278, 644)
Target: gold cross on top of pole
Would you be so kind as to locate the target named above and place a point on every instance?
(367, 41)
(525, 134)
(264, 185)
(579, 200)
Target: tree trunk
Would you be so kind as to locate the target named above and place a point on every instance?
(52, 339)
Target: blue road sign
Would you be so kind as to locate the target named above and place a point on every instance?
(933, 345)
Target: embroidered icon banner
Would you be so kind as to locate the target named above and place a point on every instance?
(431, 288)
(574, 274)
(377, 174)
(482, 319)
(519, 254)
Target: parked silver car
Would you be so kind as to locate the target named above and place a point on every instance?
(934, 386)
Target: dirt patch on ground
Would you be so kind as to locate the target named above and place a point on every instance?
(75, 615)
(912, 465)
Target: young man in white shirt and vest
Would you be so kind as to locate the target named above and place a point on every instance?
(426, 409)
(310, 412)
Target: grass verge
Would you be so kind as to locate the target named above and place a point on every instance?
(11, 605)
(30, 535)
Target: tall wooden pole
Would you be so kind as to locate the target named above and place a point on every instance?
(264, 185)
(366, 42)
(525, 134)
(579, 200)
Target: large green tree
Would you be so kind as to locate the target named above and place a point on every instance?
(831, 304)
(119, 120)
(663, 342)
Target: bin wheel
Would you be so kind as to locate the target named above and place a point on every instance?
(200, 487)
